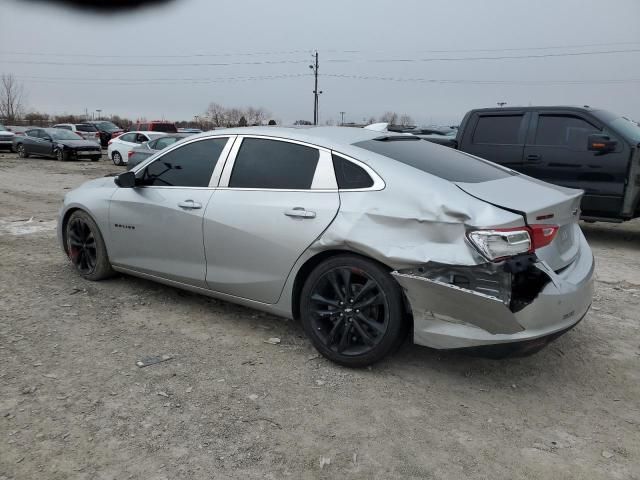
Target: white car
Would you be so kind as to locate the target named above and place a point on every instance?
(85, 130)
(119, 147)
(6, 138)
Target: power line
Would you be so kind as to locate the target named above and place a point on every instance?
(485, 82)
(502, 57)
(147, 82)
(513, 49)
(281, 62)
(301, 51)
(99, 55)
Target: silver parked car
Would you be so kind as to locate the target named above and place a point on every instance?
(361, 235)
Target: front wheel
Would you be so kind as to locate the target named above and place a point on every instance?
(60, 156)
(352, 311)
(85, 247)
(117, 158)
(22, 152)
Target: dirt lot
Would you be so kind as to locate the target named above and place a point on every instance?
(73, 403)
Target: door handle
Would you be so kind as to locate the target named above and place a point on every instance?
(300, 212)
(534, 158)
(190, 205)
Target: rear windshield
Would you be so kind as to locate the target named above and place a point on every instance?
(442, 162)
(164, 127)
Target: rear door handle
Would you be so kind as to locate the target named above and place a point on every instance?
(190, 205)
(300, 212)
(534, 158)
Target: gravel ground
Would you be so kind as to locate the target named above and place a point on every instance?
(74, 405)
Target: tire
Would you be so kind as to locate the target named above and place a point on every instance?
(22, 152)
(85, 247)
(117, 158)
(342, 332)
(60, 156)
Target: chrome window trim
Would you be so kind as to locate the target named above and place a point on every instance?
(378, 182)
(215, 175)
(321, 179)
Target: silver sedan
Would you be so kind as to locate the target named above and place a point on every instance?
(363, 236)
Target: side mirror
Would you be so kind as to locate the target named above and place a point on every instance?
(126, 180)
(601, 143)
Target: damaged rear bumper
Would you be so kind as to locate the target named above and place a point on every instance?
(448, 316)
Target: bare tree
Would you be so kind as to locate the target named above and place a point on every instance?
(233, 116)
(256, 116)
(11, 97)
(389, 117)
(216, 114)
(405, 120)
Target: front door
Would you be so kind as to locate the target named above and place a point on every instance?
(557, 152)
(275, 199)
(156, 228)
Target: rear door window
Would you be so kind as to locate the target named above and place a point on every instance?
(563, 130)
(189, 165)
(498, 129)
(442, 162)
(128, 137)
(274, 164)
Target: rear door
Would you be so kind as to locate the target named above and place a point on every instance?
(156, 228)
(275, 199)
(556, 152)
(497, 136)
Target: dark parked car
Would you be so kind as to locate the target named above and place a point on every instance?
(144, 151)
(55, 142)
(577, 147)
(108, 130)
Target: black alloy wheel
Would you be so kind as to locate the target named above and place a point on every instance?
(352, 311)
(82, 246)
(85, 247)
(60, 155)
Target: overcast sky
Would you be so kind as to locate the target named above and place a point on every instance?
(392, 45)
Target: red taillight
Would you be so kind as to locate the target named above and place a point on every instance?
(109, 142)
(500, 243)
(130, 153)
(542, 235)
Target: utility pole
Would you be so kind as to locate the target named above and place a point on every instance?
(342, 118)
(316, 93)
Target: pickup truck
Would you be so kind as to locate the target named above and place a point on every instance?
(578, 147)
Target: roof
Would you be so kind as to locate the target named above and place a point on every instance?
(534, 107)
(328, 137)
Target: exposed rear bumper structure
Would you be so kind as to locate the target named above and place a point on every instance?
(450, 316)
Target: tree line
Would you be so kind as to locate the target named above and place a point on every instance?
(13, 111)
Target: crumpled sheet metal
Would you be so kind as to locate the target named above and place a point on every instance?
(402, 229)
(445, 302)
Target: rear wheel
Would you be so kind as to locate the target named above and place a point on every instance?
(117, 158)
(352, 311)
(86, 248)
(22, 152)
